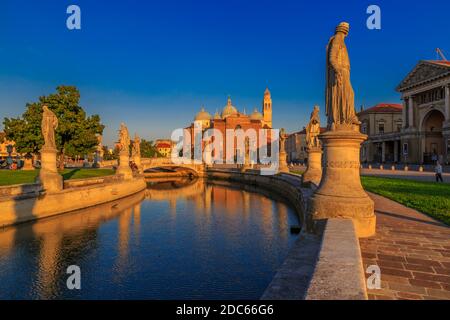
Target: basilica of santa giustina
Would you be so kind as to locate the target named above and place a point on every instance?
(231, 118)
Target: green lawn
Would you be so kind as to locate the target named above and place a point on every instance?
(9, 177)
(428, 197)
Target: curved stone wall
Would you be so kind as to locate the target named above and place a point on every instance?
(83, 193)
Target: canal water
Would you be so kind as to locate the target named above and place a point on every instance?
(183, 239)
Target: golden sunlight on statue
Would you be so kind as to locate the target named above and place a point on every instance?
(340, 98)
(313, 129)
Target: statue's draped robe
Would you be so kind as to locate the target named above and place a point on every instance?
(312, 130)
(340, 108)
(49, 124)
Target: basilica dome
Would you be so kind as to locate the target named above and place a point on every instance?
(256, 115)
(202, 115)
(229, 109)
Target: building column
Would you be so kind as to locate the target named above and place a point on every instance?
(404, 119)
(410, 112)
(447, 103)
(395, 151)
(383, 152)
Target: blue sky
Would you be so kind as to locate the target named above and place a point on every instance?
(153, 64)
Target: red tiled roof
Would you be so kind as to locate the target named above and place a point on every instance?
(385, 107)
(445, 63)
(163, 145)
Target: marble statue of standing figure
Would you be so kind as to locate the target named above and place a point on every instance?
(313, 129)
(48, 126)
(124, 138)
(283, 137)
(340, 98)
(136, 151)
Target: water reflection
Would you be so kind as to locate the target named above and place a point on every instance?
(183, 239)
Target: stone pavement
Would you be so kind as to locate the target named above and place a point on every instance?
(412, 251)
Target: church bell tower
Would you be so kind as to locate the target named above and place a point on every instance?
(267, 108)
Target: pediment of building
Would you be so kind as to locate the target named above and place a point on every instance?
(422, 73)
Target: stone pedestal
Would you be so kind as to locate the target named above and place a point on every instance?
(313, 173)
(28, 164)
(282, 164)
(49, 177)
(124, 165)
(340, 194)
(137, 162)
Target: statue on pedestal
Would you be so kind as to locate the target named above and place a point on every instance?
(340, 193)
(124, 168)
(313, 129)
(340, 99)
(282, 164)
(313, 172)
(136, 153)
(124, 139)
(48, 175)
(49, 124)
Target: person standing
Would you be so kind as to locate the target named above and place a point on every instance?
(438, 171)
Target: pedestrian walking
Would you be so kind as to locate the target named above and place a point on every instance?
(438, 171)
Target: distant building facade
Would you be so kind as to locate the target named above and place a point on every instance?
(231, 118)
(383, 124)
(164, 147)
(418, 130)
(425, 92)
(296, 147)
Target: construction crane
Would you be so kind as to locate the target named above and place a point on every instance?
(439, 52)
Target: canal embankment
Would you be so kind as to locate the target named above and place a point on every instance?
(319, 266)
(28, 202)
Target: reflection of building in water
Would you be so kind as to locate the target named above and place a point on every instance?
(137, 220)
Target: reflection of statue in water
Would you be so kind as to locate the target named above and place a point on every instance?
(313, 129)
(124, 138)
(49, 125)
(136, 151)
(340, 98)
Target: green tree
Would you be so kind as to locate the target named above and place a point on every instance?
(148, 149)
(76, 132)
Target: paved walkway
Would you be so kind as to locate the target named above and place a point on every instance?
(412, 251)
(411, 175)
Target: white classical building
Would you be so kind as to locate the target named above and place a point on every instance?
(425, 134)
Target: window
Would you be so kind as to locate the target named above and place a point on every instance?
(364, 128)
(399, 126)
(405, 149)
(381, 127)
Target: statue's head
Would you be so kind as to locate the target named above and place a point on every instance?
(45, 108)
(343, 28)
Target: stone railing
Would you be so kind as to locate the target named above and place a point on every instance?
(32, 189)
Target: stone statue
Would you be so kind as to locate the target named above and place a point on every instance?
(48, 127)
(100, 146)
(283, 137)
(313, 129)
(340, 100)
(136, 151)
(124, 138)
